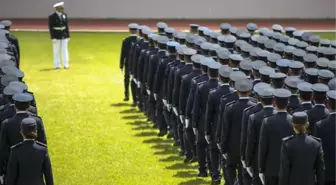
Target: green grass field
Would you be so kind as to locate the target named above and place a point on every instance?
(93, 137)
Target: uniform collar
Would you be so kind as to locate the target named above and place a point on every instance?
(244, 98)
(306, 102)
(58, 13)
(278, 111)
(29, 140)
(225, 84)
(21, 112)
(268, 106)
(332, 113)
(320, 105)
(133, 35)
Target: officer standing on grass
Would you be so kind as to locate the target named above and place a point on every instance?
(124, 56)
(59, 33)
(12, 39)
(29, 160)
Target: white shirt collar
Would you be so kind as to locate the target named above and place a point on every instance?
(319, 105)
(29, 140)
(306, 102)
(133, 35)
(225, 84)
(256, 79)
(58, 13)
(268, 106)
(161, 50)
(244, 98)
(234, 68)
(21, 112)
(281, 111)
(332, 113)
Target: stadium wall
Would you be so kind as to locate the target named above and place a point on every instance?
(173, 9)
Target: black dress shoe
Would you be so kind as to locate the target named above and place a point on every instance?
(202, 174)
(187, 160)
(176, 143)
(216, 182)
(194, 159)
(163, 133)
(126, 99)
(170, 135)
(182, 153)
(154, 126)
(134, 104)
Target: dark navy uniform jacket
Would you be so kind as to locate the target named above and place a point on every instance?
(303, 107)
(171, 81)
(253, 132)
(199, 108)
(325, 129)
(177, 82)
(56, 24)
(152, 67)
(28, 163)
(223, 102)
(9, 111)
(160, 76)
(243, 139)
(315, 114)
(10, 134)
(125, 51)
(171, 61)
(185, 89)
(149, 52)
(273, 130)
(136, 54)
(301, 161)
(141, 62)
(212, 110)
(15, 42)
(232, 125)
(294, 103)
(191, 96)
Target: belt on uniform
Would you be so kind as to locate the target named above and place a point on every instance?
(59, 28)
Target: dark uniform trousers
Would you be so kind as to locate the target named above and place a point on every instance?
(124, 61)
(183, 97)
(223, 102)
(131, 67)
(141, 89)
(248, 111)
(211, 117)
(273, 130)
(252, 144)
(231, 132)
(151, 50)
(191, 137)
(325, 129)
(201, 99)
(301, 161)
(134, 70)
(186, 69)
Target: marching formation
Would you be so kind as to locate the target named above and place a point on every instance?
(251, 106)
(23, 145)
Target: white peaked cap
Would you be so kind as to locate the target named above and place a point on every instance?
(58, 4)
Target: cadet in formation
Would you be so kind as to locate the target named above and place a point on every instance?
(227, 99)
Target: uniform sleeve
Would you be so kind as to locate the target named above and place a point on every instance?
(150, 71)
(319, 166)
(122, 54)
(41, 135)
(67, 29)
(12, 169)
(50, 25)
(226, 129)
(47, 170)
(196, 108)
(182, 97)
(251, 141)
(284, 165)
(4, 148)
(243, 134)
(165, 81)
(263, 146)
(176, 91)
(158, 79)
(190, 101)
(141, 66)
(129, 57)
(219, 122)
(209, 114)
(170, 86)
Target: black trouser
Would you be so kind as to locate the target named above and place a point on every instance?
(188, 146)
(330, 183)
(151, 108)
(173, 122)
(134, 91)
(256, 179)
(191, 140)
(271, 180)
(126, 81)
(142, 98)
(233, 164)
(215, 157)
(225, 173)
(160, 120)
(202, 153)
(180, 134)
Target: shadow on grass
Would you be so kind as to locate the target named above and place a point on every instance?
(179, 166)
(120, 104)
(171, 158)
(143, 127)
(137, 123)
(127, 111)
(132, 117)
(186, 174)
(48, 69)
(195, 182)
(146, 134)
(157, 140)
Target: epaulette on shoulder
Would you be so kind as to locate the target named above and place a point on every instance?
(2, 107)
(248, 108)
(41, 144)
(288, 138)
(231, 103)
(316, 138)
(16, 146)
(212, 91)
(201, 83)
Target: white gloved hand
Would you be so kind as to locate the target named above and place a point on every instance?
(219, 147)
(182, 119)
(262, 178)
(175, 111)
(139, 84)
(168, 107)
(131, 76)
(148, 92)
(207, 138)
(195, 130)
(225, 156)
(249, 171)
(135, 80)
(2, 179)
(155, 96)
(164, 102)
(244, 164)
(187, 121)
